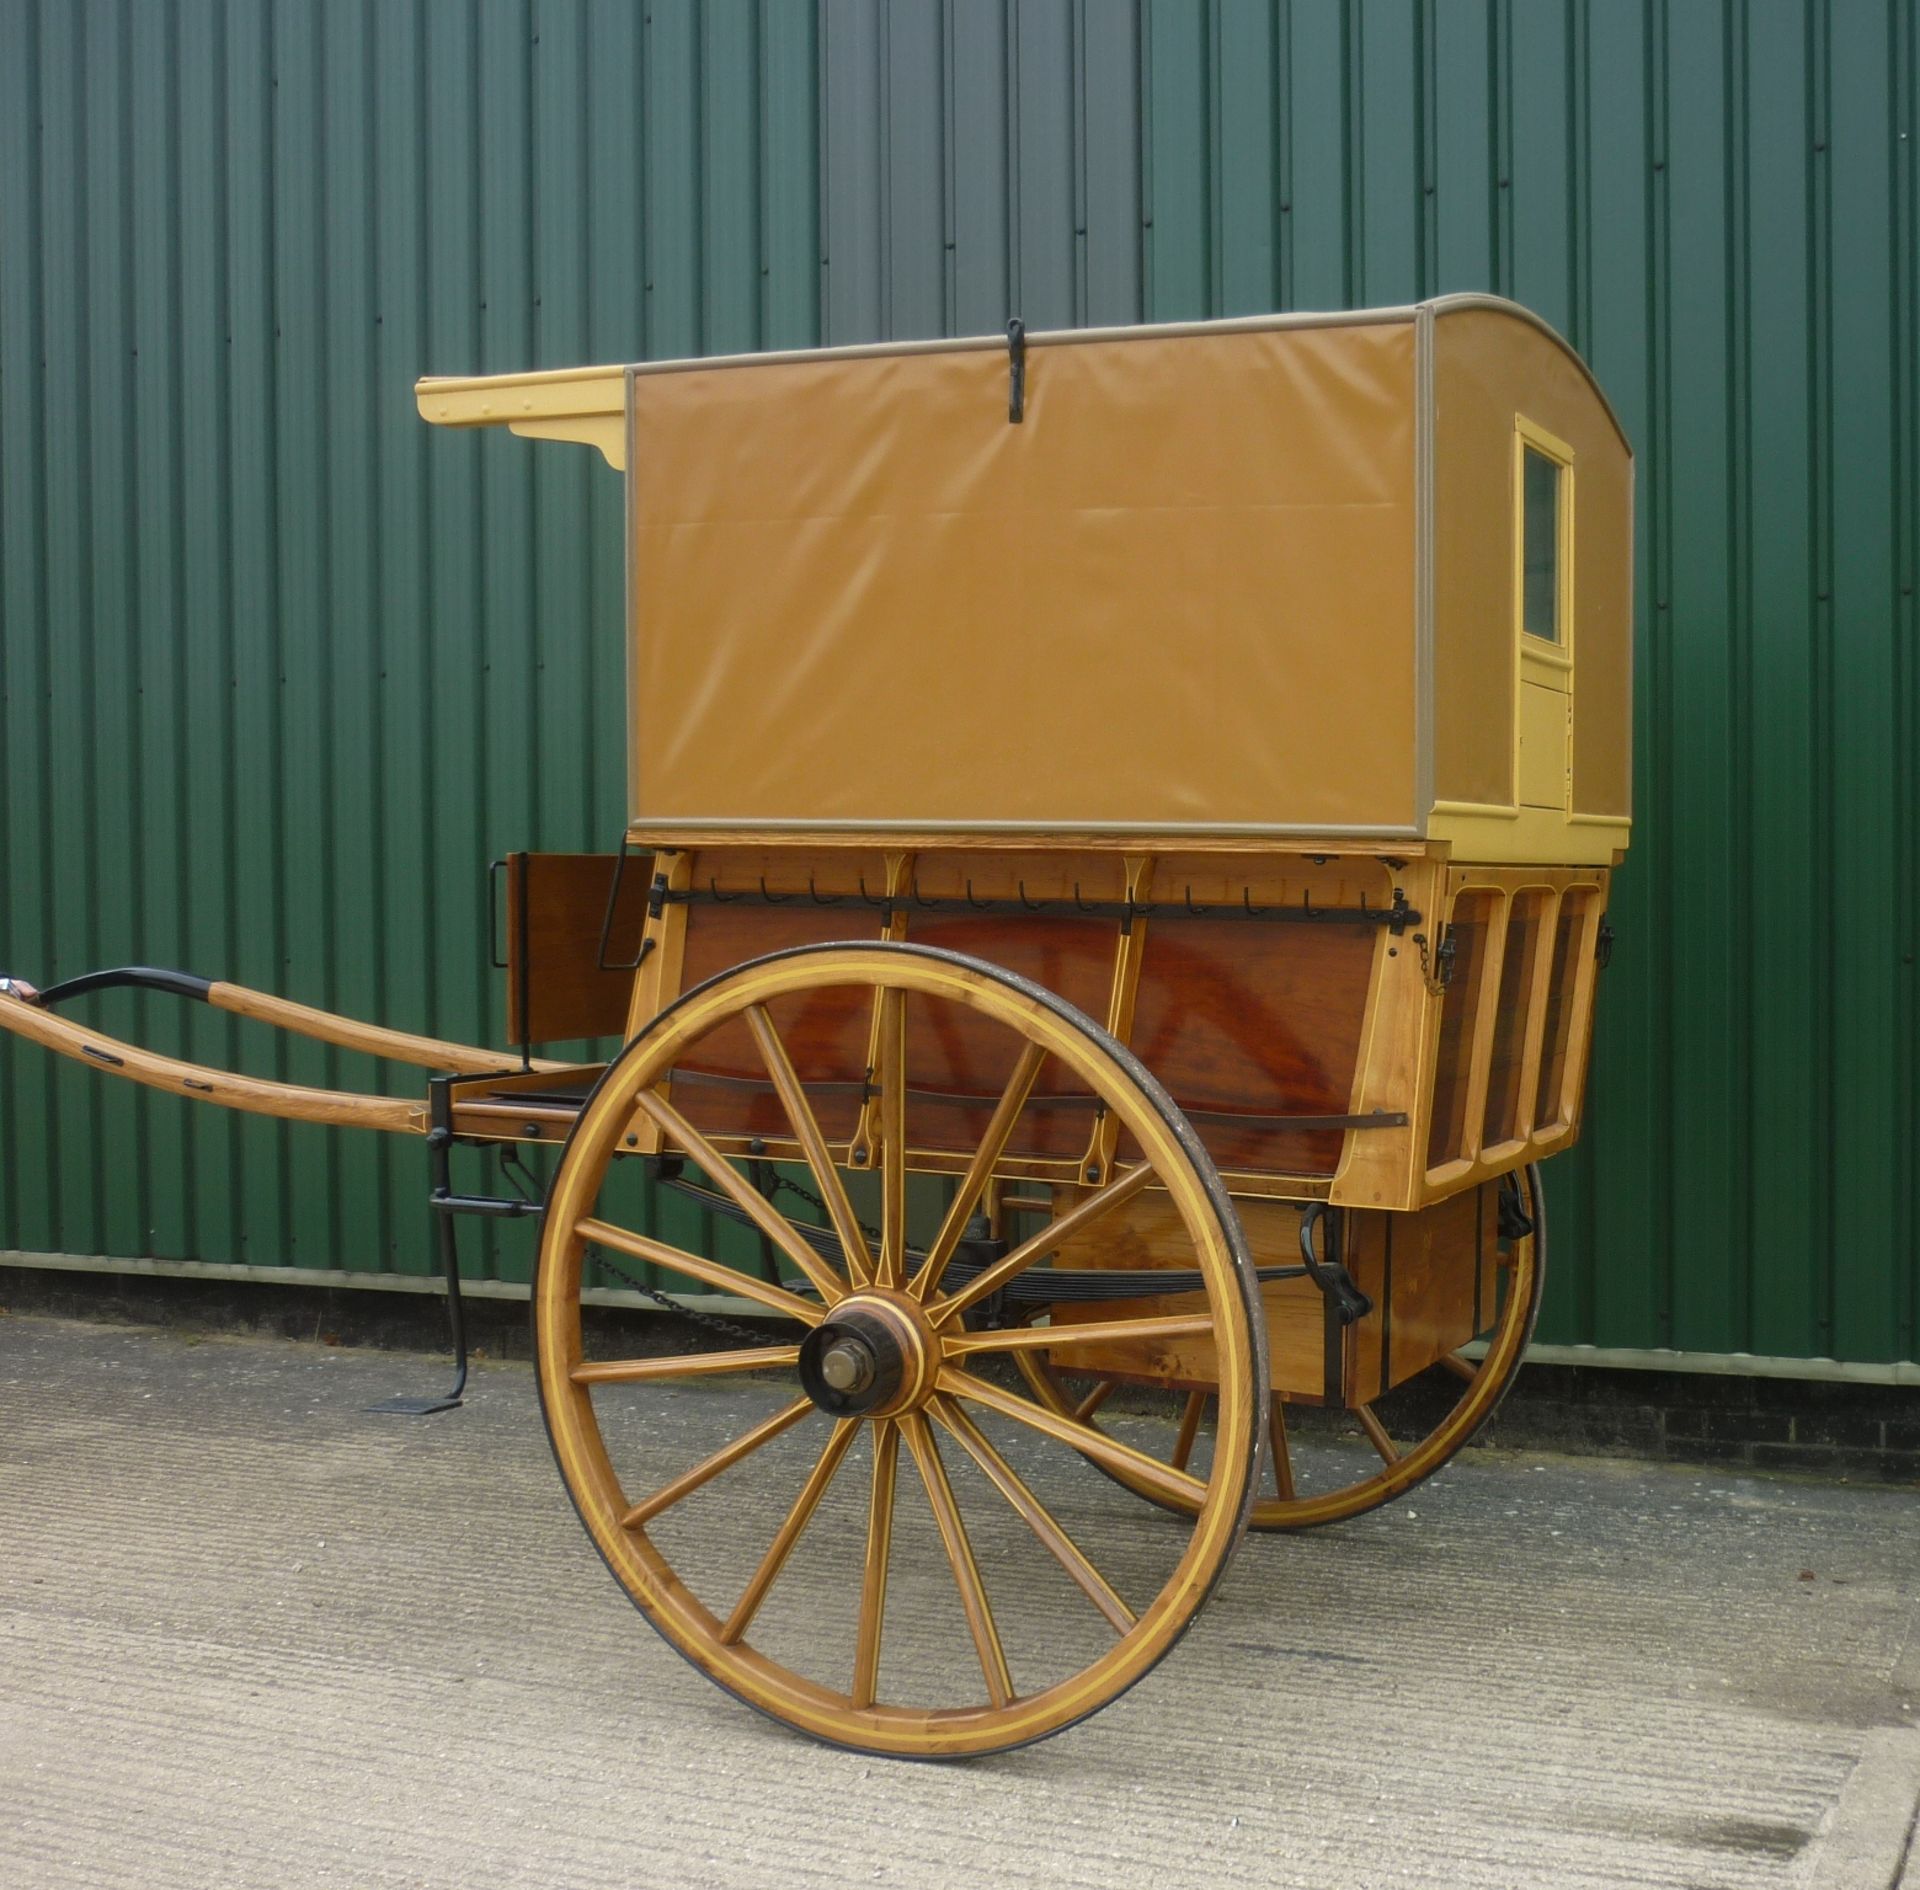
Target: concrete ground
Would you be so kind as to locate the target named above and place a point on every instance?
(251, 1636)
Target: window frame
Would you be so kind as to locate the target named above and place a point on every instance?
(1558, 653)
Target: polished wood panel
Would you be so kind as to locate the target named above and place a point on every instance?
(556, 906)
(1240, 1018)
(722, 1083)
(1430, 1276)
(1149, 1233)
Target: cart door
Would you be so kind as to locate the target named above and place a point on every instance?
(1543, 616)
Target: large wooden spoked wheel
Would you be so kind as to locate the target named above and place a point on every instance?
(882, 1364)
(1299, 1495)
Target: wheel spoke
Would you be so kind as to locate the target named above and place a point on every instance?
(966, 1572)
(873, 1586)
(1096, 1445)
(1189, 1428)
(890, 1074)
(1095, 1399)
(992, 1145)
(690, 1480)
(1054, 1234)
(1377, 1434)
(634, 1371)
(751, 1202)
(1280, 1449)
(1460, 1367)
(797, 1519)
(806, 1131)
(695, 1266)
(1058, 1543)
(1092, 1332)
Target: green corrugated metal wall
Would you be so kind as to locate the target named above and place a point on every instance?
(283, 667)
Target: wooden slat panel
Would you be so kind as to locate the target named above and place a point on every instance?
(556, 906)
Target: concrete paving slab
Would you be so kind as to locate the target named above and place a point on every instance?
(251, 1636)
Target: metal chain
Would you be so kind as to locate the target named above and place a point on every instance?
(711, 1321)
(820, 1207)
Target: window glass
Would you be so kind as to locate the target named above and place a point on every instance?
(1539, 545)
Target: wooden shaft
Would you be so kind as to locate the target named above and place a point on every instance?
(461, 1059)
(256, 1095)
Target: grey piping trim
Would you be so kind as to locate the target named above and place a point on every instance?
(1447, 304)
(630, 544)
(1049, 338)
(1424, 699)
(1061, 829)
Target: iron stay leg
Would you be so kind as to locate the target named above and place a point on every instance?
(440, 1197)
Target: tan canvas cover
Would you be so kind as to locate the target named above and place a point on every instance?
(1181, 591)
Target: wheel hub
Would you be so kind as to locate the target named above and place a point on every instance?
(871, 1357)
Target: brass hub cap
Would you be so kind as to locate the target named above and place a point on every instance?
(874, 1357)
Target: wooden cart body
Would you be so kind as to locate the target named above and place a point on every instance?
(1159, 787)
(1175, 695)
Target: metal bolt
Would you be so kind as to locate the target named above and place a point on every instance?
(847, 1366)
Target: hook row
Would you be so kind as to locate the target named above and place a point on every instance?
(1396, 916)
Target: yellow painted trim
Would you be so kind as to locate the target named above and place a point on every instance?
(1529, 836)
(1499, 810)
(584, 405)
(1527, 433)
